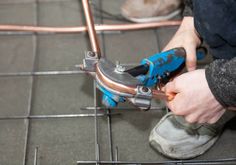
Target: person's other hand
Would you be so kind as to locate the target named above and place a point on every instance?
(186, 37)
(193, 98)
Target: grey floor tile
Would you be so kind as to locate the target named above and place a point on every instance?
(131, 132)
(65, 141)
(18, 13)
(62, 94)
(61, 141)
(130, 47)
(12, 142)
(17, 53)
(61, 52)
(16, 1)
(14, 95)
(60, 13)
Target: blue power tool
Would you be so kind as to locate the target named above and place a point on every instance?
(118, 84)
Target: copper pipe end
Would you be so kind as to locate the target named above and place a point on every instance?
(91, 27)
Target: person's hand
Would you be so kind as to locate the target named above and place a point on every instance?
(186, 37)
(193, 98)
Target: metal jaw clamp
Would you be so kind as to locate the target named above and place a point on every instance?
(143, 97)
(90, 60)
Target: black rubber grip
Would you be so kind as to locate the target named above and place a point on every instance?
(138, 70)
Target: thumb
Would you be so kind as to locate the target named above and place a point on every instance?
(191, 59)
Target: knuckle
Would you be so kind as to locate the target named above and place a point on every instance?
(177, 110)
(167, 86)
(212, 121)
(191, 58)
(201, 121)
(170, 86)
(178, 83)
(191, 62)
(190, 119)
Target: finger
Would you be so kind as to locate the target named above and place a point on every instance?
(197, 117)
(192, 118)
(191, 60)
(176, 105)
(201, 121)
(163, 88)
(216, 117)
(171, 87)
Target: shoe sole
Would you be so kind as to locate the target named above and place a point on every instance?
(153, 19)
(155, 144)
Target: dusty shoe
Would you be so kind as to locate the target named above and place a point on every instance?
(150, 10)
(176, 140)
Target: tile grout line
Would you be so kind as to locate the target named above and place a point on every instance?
(30, 101)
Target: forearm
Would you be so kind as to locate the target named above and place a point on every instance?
(221, 78)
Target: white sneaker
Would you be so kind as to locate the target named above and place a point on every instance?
(176, 140)
(150, 10)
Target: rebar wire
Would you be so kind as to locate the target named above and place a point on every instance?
(175, 162)
(61, 116)
(108, 111)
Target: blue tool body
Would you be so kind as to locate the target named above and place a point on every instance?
(160, 65)
(109, 99)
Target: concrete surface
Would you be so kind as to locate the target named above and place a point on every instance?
(64, 141)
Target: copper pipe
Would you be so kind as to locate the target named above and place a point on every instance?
(137, 26)
(158, 94)
(78, 29)
(41, 29)
(114, 85)
(90, 25)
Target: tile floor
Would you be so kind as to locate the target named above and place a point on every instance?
(66, 140)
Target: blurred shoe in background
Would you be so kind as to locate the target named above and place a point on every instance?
(142, 11)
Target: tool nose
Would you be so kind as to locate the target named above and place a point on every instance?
(108, 102)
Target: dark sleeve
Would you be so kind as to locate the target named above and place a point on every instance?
(188, 8)
(221, 78)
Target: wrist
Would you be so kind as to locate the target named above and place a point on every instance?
(187, 25)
